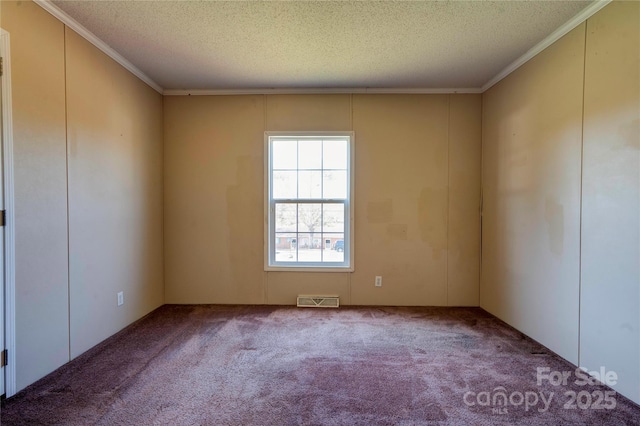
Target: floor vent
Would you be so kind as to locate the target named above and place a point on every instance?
(307, 301)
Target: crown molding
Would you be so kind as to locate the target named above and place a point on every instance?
(578, 19)
(93, 39)
(312, 91)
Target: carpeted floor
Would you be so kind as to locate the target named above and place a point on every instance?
(265, 365)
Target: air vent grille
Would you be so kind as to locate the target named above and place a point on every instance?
(311, 301)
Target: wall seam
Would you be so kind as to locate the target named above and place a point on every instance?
(481, 206)
(265, 114)
(265, 279)
(351, 111)
(448, 191)
(66, 148)
(164, 215)
(584, 74)
(352, 203)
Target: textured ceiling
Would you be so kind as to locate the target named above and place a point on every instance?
(321, 44)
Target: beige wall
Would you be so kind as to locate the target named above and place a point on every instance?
(213, 203)
(110, 232)
(114, 137)
(532, 127)
(574, 286)
(465, 124)
(37, 71)
(406, 156)
(610, 291)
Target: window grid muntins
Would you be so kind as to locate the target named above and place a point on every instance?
(318, 195)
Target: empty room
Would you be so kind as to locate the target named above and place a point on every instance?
(320, 212)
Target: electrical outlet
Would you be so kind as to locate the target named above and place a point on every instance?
(120, 298)
(378, 281)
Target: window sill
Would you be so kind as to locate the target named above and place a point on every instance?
(308, 269)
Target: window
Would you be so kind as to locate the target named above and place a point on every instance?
(309, 186)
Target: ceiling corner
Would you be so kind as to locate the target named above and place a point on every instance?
(93, 39)
(578, 19)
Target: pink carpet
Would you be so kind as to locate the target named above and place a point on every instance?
(266, 365)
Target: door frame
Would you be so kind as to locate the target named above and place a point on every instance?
(10, 228)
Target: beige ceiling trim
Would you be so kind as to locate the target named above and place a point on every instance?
(205, 92)
(585, 14)
(93, 39)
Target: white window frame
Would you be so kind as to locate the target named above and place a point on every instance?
(269, 208)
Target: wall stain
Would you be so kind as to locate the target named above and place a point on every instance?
(245, 220)
(380, 211)
(554, 216)
(397, 231)
(630, 134)
(519, 160)
(432, 219)
(626, 326)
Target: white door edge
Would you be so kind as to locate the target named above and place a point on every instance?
(9, 231)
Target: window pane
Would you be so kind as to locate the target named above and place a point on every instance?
(284, 184)
(335, 154)
(335, 184)
(309, 154)
(333, 218)
(309, 184)
(336, 252)
(286, 218)
(310, 249)
(285, 247)
(285, 154)
(310, 218)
